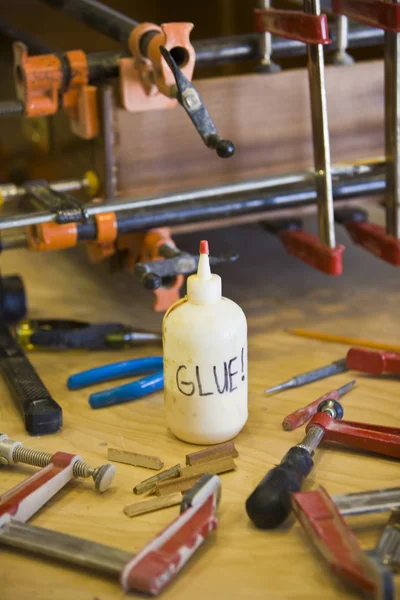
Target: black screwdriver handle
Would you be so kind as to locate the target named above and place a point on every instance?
(270, 503)
(40, 411)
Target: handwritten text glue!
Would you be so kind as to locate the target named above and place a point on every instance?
(205, 361)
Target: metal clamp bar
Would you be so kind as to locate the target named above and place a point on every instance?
(365, 436)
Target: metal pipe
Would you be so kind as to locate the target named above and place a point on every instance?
(98, 16)
(213, 51)
(203, 205)
(35, 45)
(392, 132)
(266, 65)
(321, 146)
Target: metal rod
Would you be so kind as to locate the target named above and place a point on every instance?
(98, 16)
(266, 65)
(361, 503)
(319, 118)
(110, 168)
(392, 132)
(212, 51)
(64, 547)
(225, 201)
(10, 191)
(342, 57)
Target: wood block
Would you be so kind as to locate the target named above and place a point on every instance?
(135, 459)
(237, 104)
(181, 484)
(221, 465)
(149, 485)
(212, 453)
(146, 506)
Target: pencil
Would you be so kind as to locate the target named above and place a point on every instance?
(343, 339)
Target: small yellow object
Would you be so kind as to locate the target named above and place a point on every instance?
(343, 339)
(93, 183)
(1, 199)
(24, 331)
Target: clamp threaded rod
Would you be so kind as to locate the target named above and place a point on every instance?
(102, 476)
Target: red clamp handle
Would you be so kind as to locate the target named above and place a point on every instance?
(164, 556)
(294, 25)
(375, 239)
(308, 248)
(371, 438)
(373, 362)
(376, 13)
(333, 539)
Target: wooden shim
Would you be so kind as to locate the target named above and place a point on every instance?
(135, 459)
(181, 484)
(146, 506)
(221, 465)
(149, 485)
(213, 453)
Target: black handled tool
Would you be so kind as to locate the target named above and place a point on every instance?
(190, 99)
(176, 262)
(270, 503)
(40, 411)
(68, 334)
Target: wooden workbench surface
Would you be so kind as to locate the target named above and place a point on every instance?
(237, 561)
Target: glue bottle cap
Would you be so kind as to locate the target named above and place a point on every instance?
(204, 287)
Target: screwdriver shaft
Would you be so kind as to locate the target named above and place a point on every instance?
(338, 366)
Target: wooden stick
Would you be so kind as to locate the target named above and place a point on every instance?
(221, 465)
(149, 485)
(343, 339)
(146, 506)
(181, 484)
(135, 459)
(222, 450)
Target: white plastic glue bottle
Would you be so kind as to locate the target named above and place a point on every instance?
(205, 361)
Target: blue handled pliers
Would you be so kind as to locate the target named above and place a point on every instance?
(122, 393)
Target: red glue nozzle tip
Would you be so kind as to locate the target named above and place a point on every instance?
(204, 247)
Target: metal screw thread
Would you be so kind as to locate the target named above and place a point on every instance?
(11, 108)
(42, 459)
(31, 457)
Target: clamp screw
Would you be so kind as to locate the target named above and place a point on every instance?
(332, 407)
(102, 476)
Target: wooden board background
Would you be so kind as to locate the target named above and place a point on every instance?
(267, 117)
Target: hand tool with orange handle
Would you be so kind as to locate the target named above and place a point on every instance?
(270, 503)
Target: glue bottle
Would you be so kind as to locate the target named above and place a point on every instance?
(205, 361)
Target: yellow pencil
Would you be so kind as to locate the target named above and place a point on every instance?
(343, 339)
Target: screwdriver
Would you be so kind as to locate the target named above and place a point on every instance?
(358, 359)
(270, 503)
(304, 414)
(338, 366)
